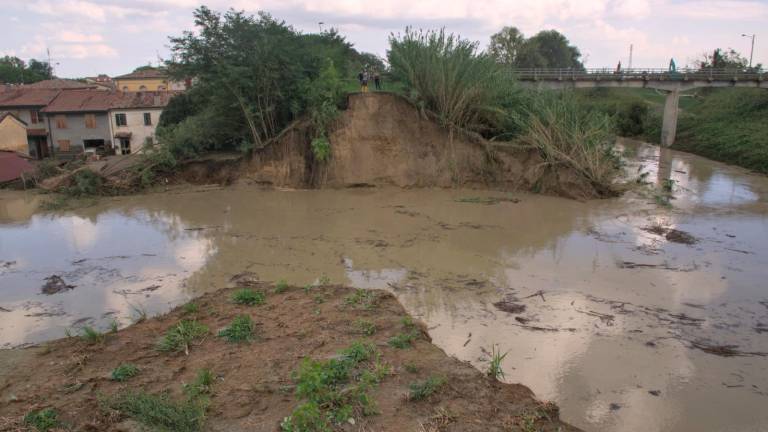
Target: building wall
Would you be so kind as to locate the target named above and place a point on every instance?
(134, 85)
(135, 119)
(13, 136)
(25, 115)
(76, 132)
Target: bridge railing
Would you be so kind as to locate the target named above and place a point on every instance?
(607, 74)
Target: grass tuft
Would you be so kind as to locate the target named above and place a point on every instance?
(420, 390)
(365, 327)
(495, 370)
(365, 298)
(202, 385)
(159, 412)
(248, 297)
(403, 340)
(281, 286)
(179, 337)
(124, 372)
(190, 308)
(42, 420)
(241, 329)
(91, 335)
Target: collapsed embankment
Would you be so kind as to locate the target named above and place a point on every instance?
(400, 382)
(383, 139)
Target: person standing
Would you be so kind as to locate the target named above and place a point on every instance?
(377, 80)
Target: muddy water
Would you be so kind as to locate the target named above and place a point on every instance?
(620, 326)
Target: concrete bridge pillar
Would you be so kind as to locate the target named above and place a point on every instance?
(669, 122)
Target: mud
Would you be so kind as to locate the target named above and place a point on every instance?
(595, 331)
(253, 389)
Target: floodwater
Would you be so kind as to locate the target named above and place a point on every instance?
(623, 328)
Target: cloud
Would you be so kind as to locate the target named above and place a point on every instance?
(70, 36)
(87, 9)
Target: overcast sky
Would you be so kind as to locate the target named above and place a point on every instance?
(88, 37)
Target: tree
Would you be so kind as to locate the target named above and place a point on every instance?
(506, 45)
(725, 59)
(13, 70)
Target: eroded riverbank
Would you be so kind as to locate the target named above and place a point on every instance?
(618, 319)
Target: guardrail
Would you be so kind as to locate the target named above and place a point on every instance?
(607, 74)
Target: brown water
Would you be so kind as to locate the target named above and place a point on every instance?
(619, 315)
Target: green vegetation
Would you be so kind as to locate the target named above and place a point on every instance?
(190, 308)
(42, 420)
(281, 286)
(159, 412)
(241, 329)
(335, 390)
(202, 385)
(114, 326)
(248, 297)
(546, 49)
(403, 340)
(420, 390)
(91, 335)
(124, 372)
(179, 337)
(14, 70)
(411, 367)
(495, 370)
(365, 327)
(361, 297)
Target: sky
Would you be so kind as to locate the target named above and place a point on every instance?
(89, 37)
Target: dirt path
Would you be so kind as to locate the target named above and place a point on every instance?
(251, 385)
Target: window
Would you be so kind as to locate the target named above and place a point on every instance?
(121, 120)
(63, 145)
(90, 121)
(61, 121)
(35, 116)
(147, 119)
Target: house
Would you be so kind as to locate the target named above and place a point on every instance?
(154, 79)
(134, 117)
(102, 81)
(26, 105)
(58, 84)
(13, 133)
(78, 121)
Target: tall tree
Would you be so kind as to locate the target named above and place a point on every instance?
(506, 45)
(13, 70)
(546, 49)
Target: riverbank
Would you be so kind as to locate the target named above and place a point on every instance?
(199, 367)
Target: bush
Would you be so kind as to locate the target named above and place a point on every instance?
(43, 420)
(241, 329)
(179, 337)
(124, 372)
(159, 412)
(248, 297)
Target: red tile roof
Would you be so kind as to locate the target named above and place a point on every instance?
(18, 97)
(144, 74)
(59, 84)
(81, 101)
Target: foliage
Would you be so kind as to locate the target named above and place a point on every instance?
(42, 420)
(14, 70)
(361, 297)
(725, 59)
(495, 370)
(91, 335)
(365, 327)
(248, 297)
(160, 412)
(446, 75)
(546, 49)
(403, 340)
(423, 389)
(191, 308)
(335, 390)
(84, 183)
(321, 148)
(179, 337)
(124, 372)
(202, 385)
(241, 329)
(324, 95)
(566, 135)
(281, 286)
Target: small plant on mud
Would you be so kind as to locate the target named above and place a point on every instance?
(42, 420)
(365, 327)
(281, 286)
(546, 411)
(321, 148)
(124, 372)
(423, 389)
(366, 299)
(319, 299)
(248, 297)
(241, 329)
(140, 313)
(668, 185)
(160, 412)
(335, 390)
(324, 280)
(411, 367)
(408, 323)
(179, 337)
(190, 308)
(495, 370)
(91, 335)
(114, 326)
(202, 385)
(403, 340)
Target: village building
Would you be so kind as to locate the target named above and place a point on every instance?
(134, 117)
(26, 105)
(13, 133)
(78, 122)
(155, 79)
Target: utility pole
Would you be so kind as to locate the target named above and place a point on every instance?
(50, 65)
(629, 66)
(752, 50)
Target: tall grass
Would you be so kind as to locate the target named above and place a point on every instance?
(447, 75)
(567, 135)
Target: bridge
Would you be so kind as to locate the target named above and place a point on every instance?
(671, 82)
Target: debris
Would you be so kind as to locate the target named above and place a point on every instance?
(671, 234)
(55, 284)
(509, 306)
(487, 200)
(614, 406)
(724, 350)
(605, 318)
(2, 309)
(522, 320)
(655, 392)
(537, 293)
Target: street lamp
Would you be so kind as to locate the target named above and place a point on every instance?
(752, 50)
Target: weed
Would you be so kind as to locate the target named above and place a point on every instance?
(321, 148)
(140, 312)
(361, 297)
(365, 327)
(124, 371)
(202, 385)
(408, 323)
(411, 367)
(42, 420)
(91, 335)
(281, 286)
(190, 308)
(248, 297)
(423, 389)
(319, 299)
(241, 329)
(402, 340)
(179, 337)
(159, 412)
(324, 280)
(668, 185)
(114, 326)
(495, 370)
(307, 288)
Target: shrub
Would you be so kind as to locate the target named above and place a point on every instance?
(423, 389)
(248, 297)
(42, 420)
(241, 329)
(124, 372)
(159, 412)
(179, 337)
(403, 340)
(281, 286)
(202, 384)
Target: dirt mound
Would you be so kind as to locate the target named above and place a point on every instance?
(251, 386)
(383, 139)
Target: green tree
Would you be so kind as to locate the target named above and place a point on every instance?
(506, 45)
(13, 70)
(725, 59)
(546, 49)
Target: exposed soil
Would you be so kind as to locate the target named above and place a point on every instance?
(383, 139)
(253, 389)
